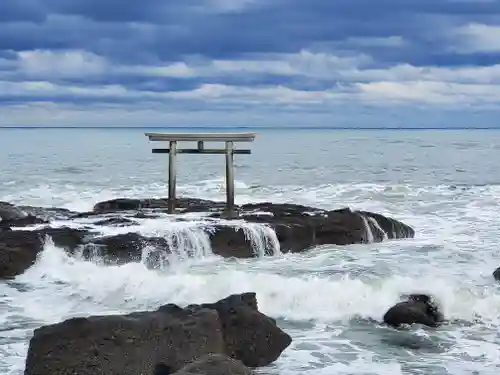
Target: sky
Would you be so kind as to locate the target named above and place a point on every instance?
(332, 63)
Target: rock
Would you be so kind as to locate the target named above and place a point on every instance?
(418, 308)
(13, 216)
(115, 222)
(48, 213)
(24, 222)
(124, 248)
(213, 364)
(262, 229)
(66, 238)
(228, 241)
(160, 342)
(18, 251)
(250, 336)
(393, 228)
(9, 212)
(299, 228)
(496, 274)
(162, 369)
(161, 204)
(125, 344)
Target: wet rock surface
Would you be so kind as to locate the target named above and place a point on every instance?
(416, 309)
(250, 336)
(496, 274)
(9, 212)
(260, 229)
(158, 342)
(18, 251)
(212, 364)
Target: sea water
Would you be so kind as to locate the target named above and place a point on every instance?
(446, 184)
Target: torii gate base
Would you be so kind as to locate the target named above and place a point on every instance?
(201, 138)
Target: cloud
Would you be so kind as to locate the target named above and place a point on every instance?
(315, 59)
(473, 38)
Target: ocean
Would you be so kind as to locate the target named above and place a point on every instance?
(446, 184)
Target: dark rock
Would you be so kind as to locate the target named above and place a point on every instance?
(48, 213)
(214, 364)
(161, 204)
(124, 248)
(250, 336)
(115, 222)
(162, 369)
(299, 228)
(296, 227)
(24, 222)
(18, 251)
(289, 227)
(9, 212)
(393, 228)
(144, 215)
(229, 241)
(418, 308)
(66, 238)
(19, 248)
(14, 216)
(124, 344)
(160, 342)
(496, 274)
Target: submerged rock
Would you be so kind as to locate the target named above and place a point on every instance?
(158, 341)
(418, 308)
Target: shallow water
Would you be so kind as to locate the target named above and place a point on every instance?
(331, 300)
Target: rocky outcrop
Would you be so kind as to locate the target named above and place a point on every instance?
(122, 248)
(67, 238)
(19, 248)
(260, 229)
(250, 336)
(18, 251)
(12, 216)
(212, 364)
(416, 309)
(9, 212)
(182, 205)
(157, 341)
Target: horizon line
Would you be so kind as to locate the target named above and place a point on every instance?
(256, 127)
